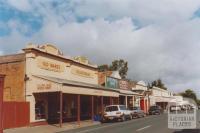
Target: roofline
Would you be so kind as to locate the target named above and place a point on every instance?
(61, 57)
(7, 55)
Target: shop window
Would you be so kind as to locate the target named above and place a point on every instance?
(40, 110)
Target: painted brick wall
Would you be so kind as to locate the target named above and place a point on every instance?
(13, 66)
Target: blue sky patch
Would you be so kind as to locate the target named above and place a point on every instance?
(26, 18)
(196, 13)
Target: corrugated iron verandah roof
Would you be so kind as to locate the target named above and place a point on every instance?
(128, 92)
(65, 82)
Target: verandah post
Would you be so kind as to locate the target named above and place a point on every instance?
(102, 109)
(78, 109)
(61, 107)
(92, 107)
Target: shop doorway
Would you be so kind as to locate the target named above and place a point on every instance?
(85, 109)
(122, 100)
(69, 107)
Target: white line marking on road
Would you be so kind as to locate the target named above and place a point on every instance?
(143, 128)
(106, 126)
(88, 130)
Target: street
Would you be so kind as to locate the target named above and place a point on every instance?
(149, 124)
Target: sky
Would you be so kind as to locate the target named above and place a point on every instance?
(159, 39)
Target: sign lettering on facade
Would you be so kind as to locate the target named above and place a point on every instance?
(82, 73)
(123, 84)
(44, 86)
(50, 65)
(98, 91)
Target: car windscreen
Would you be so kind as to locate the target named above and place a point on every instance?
(122, 107)
(153, 107)
(134, 108)
(111, 108)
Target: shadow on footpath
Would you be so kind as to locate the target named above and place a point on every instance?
(188, 131)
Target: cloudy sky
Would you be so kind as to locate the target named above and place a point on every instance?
(159, 38)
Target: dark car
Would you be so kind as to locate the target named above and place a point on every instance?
(137, 112)
(155, 110)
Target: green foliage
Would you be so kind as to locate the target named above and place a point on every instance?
(159, 83)
(117, 65)
(103, 68)
(189, 93)
(198, 102)
(149, 86)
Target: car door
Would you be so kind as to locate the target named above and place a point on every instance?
(123, 109)
(140, 112)
(111, 110)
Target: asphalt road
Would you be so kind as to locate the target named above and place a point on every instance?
(149, 124)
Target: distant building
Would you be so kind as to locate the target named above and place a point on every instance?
(112, 79)
(142, 100)
(160, 97)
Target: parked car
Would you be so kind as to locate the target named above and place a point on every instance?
(116, 112)
(155, 110)
(137, 112)
(174, 108)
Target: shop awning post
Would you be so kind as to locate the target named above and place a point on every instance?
(102, 109)
(61, 107)
(78, 109)
(92, 107)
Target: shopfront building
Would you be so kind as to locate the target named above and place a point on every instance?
(61, 89)
(142, 100)
(160, 97)
(55, 88)
(126, 95)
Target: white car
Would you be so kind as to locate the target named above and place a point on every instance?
(175, 108)
(116, 112)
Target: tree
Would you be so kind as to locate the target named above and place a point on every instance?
(159, 83)
(103, 68)
(149, 86)
(154, 83)
(198, 102)
(121, 66)
(117, 65)
(189, 93)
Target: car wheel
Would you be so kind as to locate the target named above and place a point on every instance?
(130, 117)
(103, 120)
(123, 118)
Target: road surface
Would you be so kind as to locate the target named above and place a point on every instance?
(149, 124)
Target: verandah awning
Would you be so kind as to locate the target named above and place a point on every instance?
(128, 93)
(74, 87)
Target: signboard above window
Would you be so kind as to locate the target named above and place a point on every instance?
(111, 82)
(123, 84)
(50, 65)
(82, 72)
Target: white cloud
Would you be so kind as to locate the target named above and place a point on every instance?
(23, 5)
(166, 47)
(143, 10)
